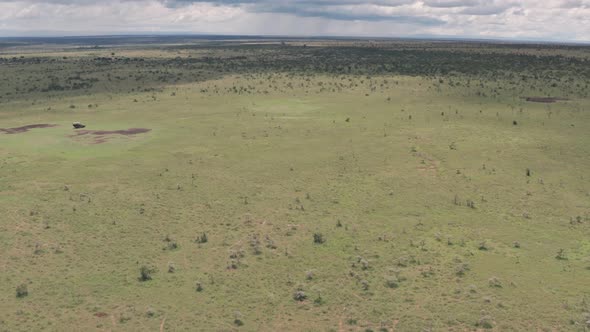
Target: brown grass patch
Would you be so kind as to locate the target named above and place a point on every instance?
(547, 100)
(26, 128)
(102, 136)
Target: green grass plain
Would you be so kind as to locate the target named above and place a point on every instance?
(384, 168)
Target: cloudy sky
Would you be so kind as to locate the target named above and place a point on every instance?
(556, 20)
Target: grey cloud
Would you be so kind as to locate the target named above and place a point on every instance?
(450, 3)
(344, 15)
(474, 7)
(490, 8)
(302, 3)
(573, 4)
(264, 5)
(328, 9)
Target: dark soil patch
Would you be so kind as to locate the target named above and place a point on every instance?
(26, 128)
(547, 100)
(101, 136)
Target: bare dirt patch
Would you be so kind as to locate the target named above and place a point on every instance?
(547, 100)
(26, 128)
(102, 136)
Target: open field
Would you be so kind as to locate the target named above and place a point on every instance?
(314, 185)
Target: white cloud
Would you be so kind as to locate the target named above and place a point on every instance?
(550, 19)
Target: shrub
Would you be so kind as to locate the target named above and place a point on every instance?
(391, 282)
(145, 273)
(365, 284)
(22, 290)
(255, 244)
(319, 300)
(199, 286)
(461, 269)
(299, 295)
(364, 264)
(270, 243)
(495, 282)
(429, 272)
(351, 321)
(485, 322)
(171, 245)
(318, 238)
(202, 238)
(150, 312)
(238, 318)
(233, 264)
(483, 246)
(38, 249)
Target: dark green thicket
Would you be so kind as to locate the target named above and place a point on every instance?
(83, 75)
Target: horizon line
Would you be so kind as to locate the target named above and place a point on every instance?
(524, 40)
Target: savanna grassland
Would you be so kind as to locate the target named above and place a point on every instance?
(304, 185)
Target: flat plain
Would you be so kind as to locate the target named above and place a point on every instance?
(296, 185)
